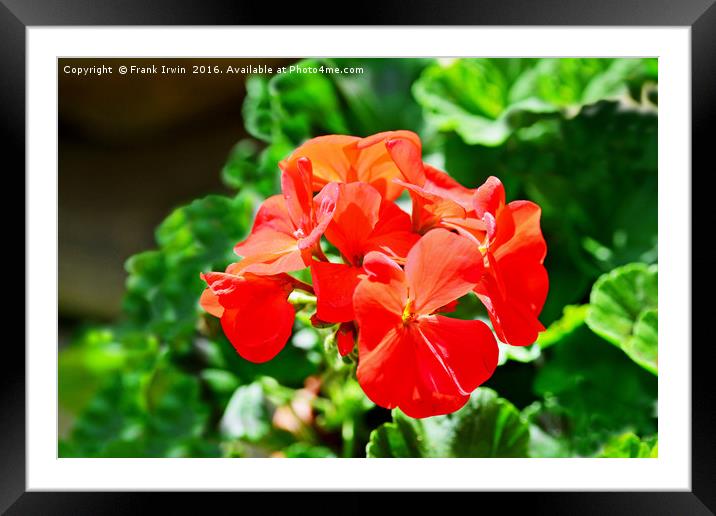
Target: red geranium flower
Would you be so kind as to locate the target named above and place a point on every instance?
(362, 222)
(288, 227)
(410, 358)
(438, 200)
(392, 283)
(254, 310)
(346, 159)
(515, 285)
(509, 237)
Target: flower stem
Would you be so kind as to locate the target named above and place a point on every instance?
(299, 298)
(348, 434)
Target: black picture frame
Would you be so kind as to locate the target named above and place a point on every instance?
(699, 15)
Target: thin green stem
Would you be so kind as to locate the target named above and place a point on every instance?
(300, 298)
(348, 434)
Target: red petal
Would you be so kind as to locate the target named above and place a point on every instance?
(393, 233)
(407, 156)
(440, 183)
(267, 251)
(364, 222)
(324, 207)
(210, 303)
(329, 156)
(296, 179)
(318, 323)
(379, 299)
(448, 308)
(346, 159)
(334, 284)
(273, 214)
(490, 197)
(375, 164)
(386, 365)
(457, 355)
(442, 202)
(513, 291)
(382, 268)
(387, 136)
(271, 247)
(526, 237)
(515, 288)
(428, 368)
(355, 216)
(440, 268)
(428, 404)
(453, 358)
(257, 317)
(345, 338)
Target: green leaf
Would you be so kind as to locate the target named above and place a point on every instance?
(220, 381)
(245, 169)
(523, 354)
(629, 445)
(155, 414)
(545, 445)
(174, 405)
(487, 426)
(623, 310)
(403, 438)
(572, 318)
(378, 97)
(606, 155)
(257, 108)
(593, 391)
(96, 355)
(307, 451)
(304, 104)
(486, 100)
(164, 286)
(248, 415)
(84, 364)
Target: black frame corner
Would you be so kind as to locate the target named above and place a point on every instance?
(700, 15)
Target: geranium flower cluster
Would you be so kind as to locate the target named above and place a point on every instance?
(400, 272)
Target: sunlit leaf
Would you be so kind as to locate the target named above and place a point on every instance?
(623, 310)
(488, 426)
(630, 446)
(485, 100)
(248, 414)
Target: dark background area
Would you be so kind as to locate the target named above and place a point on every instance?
(131, 148)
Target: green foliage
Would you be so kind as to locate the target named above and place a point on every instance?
(623, 310)
(573, 168)
(628, 446)
(486, 100)
(157, 414)
(596, 390)
(243, 171)
(248, 414)
(487, 426)
(576, 136)
(305, 451)
(572, 319)
(164, 285)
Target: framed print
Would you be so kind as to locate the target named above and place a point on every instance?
(424, 255)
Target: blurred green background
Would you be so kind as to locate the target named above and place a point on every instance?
(144, 373)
